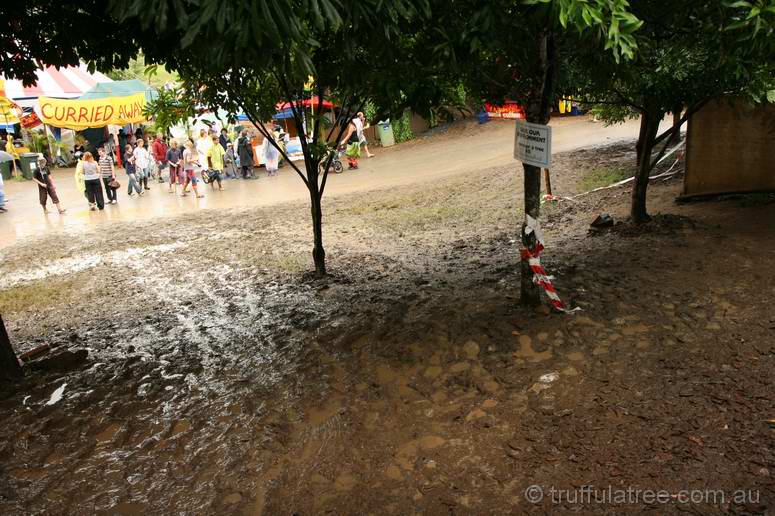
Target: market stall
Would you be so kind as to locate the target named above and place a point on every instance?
(106, 105)
(284, 116)
(59, 83)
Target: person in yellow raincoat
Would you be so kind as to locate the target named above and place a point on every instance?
(10, 148)
(80, 182)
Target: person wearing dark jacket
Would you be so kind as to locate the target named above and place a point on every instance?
(245, 153)
(46, 188)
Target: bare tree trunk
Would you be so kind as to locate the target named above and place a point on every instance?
(677, 116)
(638, 210)
(530, 293)
(676, 126)
(9, 364)
(641, 140)
(539, 111)
(318, 253)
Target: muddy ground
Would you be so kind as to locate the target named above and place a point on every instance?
(222, 378)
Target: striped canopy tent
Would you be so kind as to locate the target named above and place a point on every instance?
(65, 83)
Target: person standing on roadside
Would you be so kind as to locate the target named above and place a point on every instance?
(91, 178)
(159, 151)
(223, 139)
(10, 148)
(2, 195)
(190, 164)
(122, 140)
(358, 124)
(175, 166)
(203, 145)
(131, 173)
(46, 188)
(245, 152)
(352, 142)
(215, 158)
(108, 174)
(142, 163)
(271, 157)
(230, 162)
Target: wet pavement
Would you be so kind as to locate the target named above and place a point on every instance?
(481, 147)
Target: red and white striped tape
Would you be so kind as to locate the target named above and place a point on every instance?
(539, 273)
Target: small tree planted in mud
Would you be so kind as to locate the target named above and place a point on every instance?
(246, 57)
(687, 55)
(516, 49)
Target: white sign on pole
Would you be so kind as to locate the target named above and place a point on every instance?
(533, 144)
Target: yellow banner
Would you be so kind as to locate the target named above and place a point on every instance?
(84, 114)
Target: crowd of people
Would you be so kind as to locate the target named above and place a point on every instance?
(213, 158)
(181, 164)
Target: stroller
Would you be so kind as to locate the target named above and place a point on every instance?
(336, 163)
(205, 173)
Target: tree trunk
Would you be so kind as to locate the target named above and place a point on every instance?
(539, 109)
(641, 140)
(676, 126)
(638, 209)
(530, 293)
(9, 364)
(318, 253)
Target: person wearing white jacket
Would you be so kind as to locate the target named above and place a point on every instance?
(142, 163)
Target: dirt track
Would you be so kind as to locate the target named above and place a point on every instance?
(465, 147)
(222, 379)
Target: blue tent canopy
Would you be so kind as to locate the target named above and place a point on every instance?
(281, 115)
(285, 113)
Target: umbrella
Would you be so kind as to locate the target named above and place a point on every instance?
(9, 111)
(4, 156)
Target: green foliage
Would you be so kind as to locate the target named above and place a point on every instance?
(402, 128)
(369, 111)
(688, 53)
(498, 48)
(60, 33)
(613, 19)
(753, 23)
(172, 107)
(613, 113)
(156, 76)
(38, 142)
(43, 144)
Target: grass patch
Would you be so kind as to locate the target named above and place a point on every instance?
(406, 216)
(603, 176)
(31, 297)
(290, 263)
(435, 207)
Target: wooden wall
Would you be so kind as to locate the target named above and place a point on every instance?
(730, 147)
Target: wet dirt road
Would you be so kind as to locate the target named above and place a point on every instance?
(222, 379)
(477, 148)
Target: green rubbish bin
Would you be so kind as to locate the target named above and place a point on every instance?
(29, 161)
(5, 169)
(385, 133)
